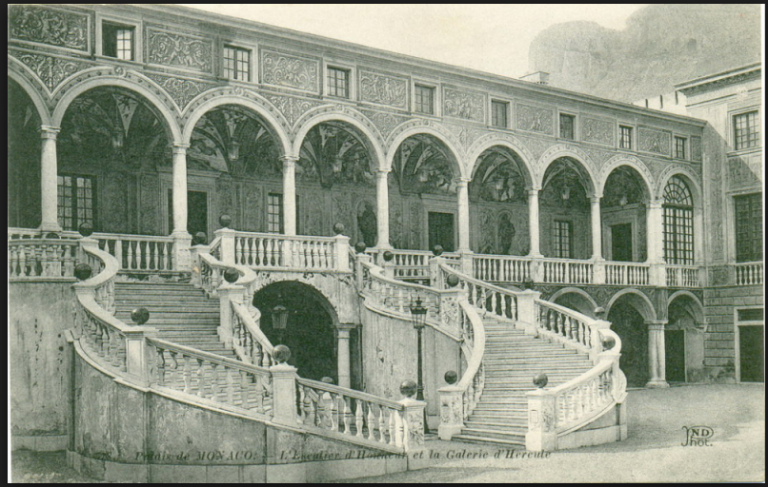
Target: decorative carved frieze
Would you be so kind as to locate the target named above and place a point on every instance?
(181, 90)
(383, 90)
(51, 71)
(385, 122)
(49, 26)
(696, 149)
(463, 104)
(535, 119)
(597, 131)
(654, 141)
(465, 136)
(744, 171)
(290, 71)
(291, 108)
(172, 49)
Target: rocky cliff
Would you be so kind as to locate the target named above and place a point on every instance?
(662, 45)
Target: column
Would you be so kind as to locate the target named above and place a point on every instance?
(462, 189)
(180, 189)
(533, 222)
(655, 219)
(289, 194)
(49, 174)
(656, 355)
(342, 334)
(597, 227)
(382, 210)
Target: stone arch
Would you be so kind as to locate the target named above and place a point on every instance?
(408, 129)
(335, 302)
(34, 95)
(588, 309)
(634, 163)
(698, 307)
(556, 152)
(688, 176)
(339, 114)
(489, 142)
(210, 100)
(638, 300)
(68, 93)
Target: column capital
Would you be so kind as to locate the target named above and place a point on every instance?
(383, 172)
(462, 181)
(180, 149)
(533, 191)
(657, 204)
(49, 132)
(656, 325)
(289, 159)
(595, 198)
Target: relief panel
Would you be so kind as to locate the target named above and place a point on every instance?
(535, 119)
(51, 71)
(295, 72)
(149, 210)
(48, 26)
(182, 91)
(465, 105)
(172, 49)
(597, 131)
(383, 90)
(654, 141)
(696, 149)
(291, 108)
(253, 208)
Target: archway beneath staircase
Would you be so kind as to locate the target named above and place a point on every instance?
(311, 328)
(575, 299)
(629, 315)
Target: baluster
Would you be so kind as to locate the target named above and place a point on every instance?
(160, 367)
(382, 425)
(312, 413)
(266, 359)
(243, 389)
(334, 412)
(116, 340)
(200, 377)
(23, 262)
(371, 421)
(392, 427)
(346, 414)
(229, 385)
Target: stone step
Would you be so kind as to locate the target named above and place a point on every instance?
(514, 434)
(514, 440)
(514, 427)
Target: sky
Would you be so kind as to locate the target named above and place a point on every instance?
(490, 38)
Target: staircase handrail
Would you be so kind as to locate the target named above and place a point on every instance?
(473, 380)
(54, 257)
(570, 328)
(250, 343)
(503, 302)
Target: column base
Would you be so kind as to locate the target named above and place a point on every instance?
(657, 384)
(50, 227)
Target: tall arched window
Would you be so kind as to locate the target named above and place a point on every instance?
(678, 222)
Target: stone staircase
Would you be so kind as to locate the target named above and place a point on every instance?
(181, 313)
(512, 359)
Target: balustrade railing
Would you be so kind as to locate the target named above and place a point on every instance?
(563, 271)
(250, 343)
(357, 415)
(208, 377)
(394, 296)
(682, 276)
(489, 299)
(627, 274)
(270, 251)
(42, 258)
(749, 273)
(572, 329)
(501, 268)
(139, 252)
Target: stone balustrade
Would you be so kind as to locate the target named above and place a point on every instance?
(749, 274)
(42, 258)
(139, 252)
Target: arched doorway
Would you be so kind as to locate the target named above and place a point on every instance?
(309, 330)
(629, 317)
(24, 147)
(424, 212)
(623, 216)
(576, 300)
(684, 340)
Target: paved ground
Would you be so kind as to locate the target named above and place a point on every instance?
(652, 453)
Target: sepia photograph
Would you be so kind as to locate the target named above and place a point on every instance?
(416, 243)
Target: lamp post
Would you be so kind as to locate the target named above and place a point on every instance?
(419, 314)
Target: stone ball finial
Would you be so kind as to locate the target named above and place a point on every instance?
(140, 316)
(437, 250)
(82, 271)
(528, 284)
(327, 380)
(540, 381)
(608, 342)
(600, 312)
(281, 353)
(408, 388)
(452, 280)
(53, 235)
(360, 247)
(338, 228)
(85, 229)
(451, 377)
(388, 256)
(200, 238)
(225, 221)
(231, 275)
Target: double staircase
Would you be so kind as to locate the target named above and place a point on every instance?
(512, 360)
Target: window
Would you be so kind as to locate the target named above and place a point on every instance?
(117, 41)
(680, 143)
(563, 233)
(499, 113)
(237, 63)
(76, 201)
(275, 213)
(625, 137)
(338, 82)
(746, 131)
(424, 100)
(749, 227)
(566, 126)
(678, 223)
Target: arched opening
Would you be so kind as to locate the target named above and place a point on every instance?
(623, 215)
(112, 149)
(628, 317)
(336, 180)
(564, 216)
(577, 302)
(498, 204)
(309, 330)
(423, 212)
(678, 222)
(684, 340)
(24, 147)
(234, 168)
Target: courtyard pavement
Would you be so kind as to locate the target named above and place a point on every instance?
(653, 451)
